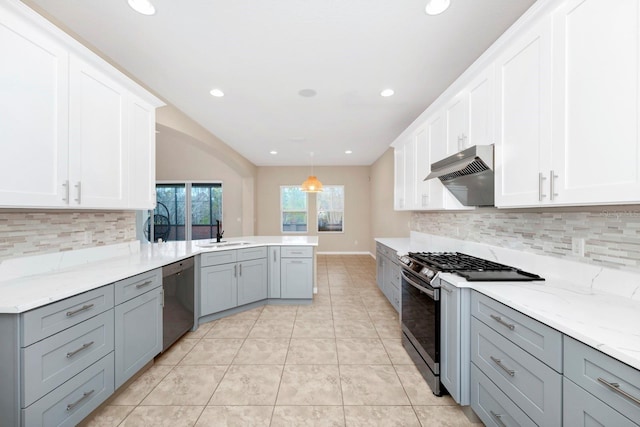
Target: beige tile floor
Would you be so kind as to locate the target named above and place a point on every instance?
(337, 362)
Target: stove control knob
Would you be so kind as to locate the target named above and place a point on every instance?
(428, 272)
(405, 260)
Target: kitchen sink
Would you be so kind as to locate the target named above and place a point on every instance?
(213, 244)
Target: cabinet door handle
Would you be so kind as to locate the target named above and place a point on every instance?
(502, 322)
(86, 394)
(541, 178)
(162, 297)
(240, 270)
(142, 285)
(552, 185)
(81, 309)
(79, 187)
(76, 351)
(274, 255)
(498, 418)
(235, 270)
(616, 387)
(498, 362)
(66, 191)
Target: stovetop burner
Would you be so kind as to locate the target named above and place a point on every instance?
(454, 261)
(471, 268)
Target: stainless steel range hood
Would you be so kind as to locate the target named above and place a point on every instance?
(468, 175)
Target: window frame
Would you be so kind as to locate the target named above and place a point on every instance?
(318, 211)
(283, 211)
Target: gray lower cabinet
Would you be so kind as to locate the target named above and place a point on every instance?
(607, 389)
(138, 333)
(492, 405)
(296, 272)
(388, 274)
(70, 403)
(582, 409)
(252, 281)
(522, 358)
(225, 284)
(218, 288)
(454, 341)
(57, 361)
(273, 257)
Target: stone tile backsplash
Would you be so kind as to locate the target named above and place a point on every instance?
(40, 232)
(612, 236)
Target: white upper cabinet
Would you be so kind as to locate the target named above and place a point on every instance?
(98, 149)
(480, 108)
(410, 178)
(523, 118)
(33, 115)
(423, 167)
(398, 177)
(457, 124)
(71, 124)
(142, 154)
(596, 149)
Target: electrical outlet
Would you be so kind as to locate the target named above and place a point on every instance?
(577, 246)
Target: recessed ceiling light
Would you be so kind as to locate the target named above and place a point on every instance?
(387, 92)
(273, 152)
(436, 7)
(307, 93)
(217, 93)
(348, 152)
(142, 6)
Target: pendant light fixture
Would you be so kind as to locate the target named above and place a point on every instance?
(312, 184)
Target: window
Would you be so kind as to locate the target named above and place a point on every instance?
(185, 211)
(293, 209)
(331, 209)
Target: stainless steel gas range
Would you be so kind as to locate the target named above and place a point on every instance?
(420, 313)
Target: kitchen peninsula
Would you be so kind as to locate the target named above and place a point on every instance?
(60, 312)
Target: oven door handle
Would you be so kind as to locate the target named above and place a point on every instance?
(431, 292)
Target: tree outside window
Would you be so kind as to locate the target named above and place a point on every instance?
(293, 209)
(331, 209)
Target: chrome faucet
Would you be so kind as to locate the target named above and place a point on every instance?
(218, 232)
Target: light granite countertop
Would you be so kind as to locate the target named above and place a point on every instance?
(593, 304)
(32, 282)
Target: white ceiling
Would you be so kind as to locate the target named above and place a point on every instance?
(261, 53)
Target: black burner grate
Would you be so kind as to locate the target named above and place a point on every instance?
(455, 261)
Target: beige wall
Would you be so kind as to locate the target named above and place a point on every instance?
(187, 151)
(355, 179)
(385, 222)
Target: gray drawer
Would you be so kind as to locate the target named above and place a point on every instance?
(532, 385)
(137, 285)
(536, 338)
(492, 406)
(296, 252)
(584, 366)
(50, 319)
(247, 254)
(394, 275)
(218, 258)
(582, 409)
(52, 361)
(74, 400)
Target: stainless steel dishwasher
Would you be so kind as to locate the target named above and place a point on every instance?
(177, 314)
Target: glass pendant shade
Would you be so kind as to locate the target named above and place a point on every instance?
(312, 185)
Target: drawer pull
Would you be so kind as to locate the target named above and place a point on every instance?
(616, 387)
(86, 394)
(498, 418)
(296, 252)
(498, 362)
(502, 322)
(142, 285)
(81, 309)
(84, 346)
(446, 289)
